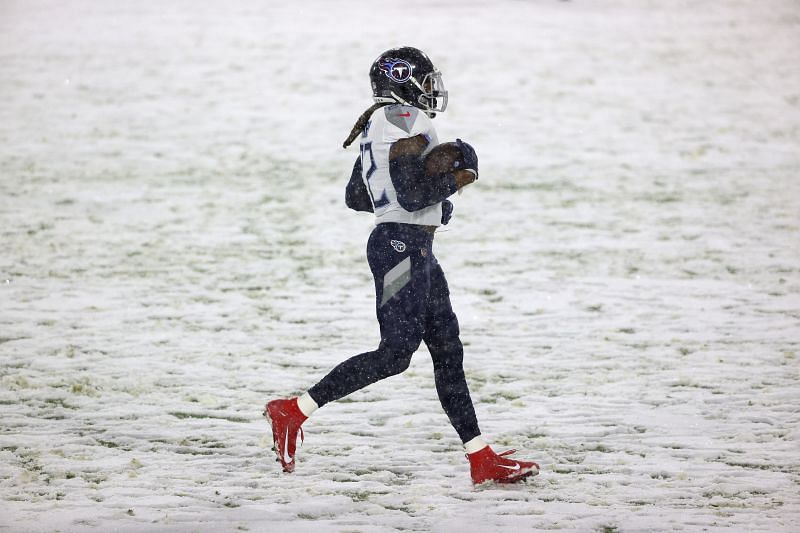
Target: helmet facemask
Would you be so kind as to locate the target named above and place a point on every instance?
(433, 97)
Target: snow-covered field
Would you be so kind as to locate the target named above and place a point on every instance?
(176, 250)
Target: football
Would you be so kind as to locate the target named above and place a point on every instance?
(443, 159)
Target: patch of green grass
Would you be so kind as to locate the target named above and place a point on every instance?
(359, 495)
(230, 418)
(58, 402)
(84, 388)
(402, 508)
(598, 448)
(193, 451)
(94, 478)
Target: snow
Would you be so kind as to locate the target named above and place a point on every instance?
(176, 251)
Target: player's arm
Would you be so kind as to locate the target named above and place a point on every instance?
(415, 189)
(356, 195)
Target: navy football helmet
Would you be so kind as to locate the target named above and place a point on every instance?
(406, 76)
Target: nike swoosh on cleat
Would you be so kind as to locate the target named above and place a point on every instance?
(515, 467)
(286, 458)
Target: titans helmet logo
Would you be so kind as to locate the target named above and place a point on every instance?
(397, 70)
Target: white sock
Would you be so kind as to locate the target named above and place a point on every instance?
(475, 445)
(307, 404)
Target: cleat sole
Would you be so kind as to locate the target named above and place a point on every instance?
(522, 476)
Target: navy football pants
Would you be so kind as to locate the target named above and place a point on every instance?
(413, 305)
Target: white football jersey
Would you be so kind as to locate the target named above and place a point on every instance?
(387, 125)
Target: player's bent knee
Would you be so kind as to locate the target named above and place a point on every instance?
(401, 346)
(400, 365)
(397, 356)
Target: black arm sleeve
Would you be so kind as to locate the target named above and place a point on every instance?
(415, 189)
(355, 195)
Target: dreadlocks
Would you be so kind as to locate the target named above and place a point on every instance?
(358, 127)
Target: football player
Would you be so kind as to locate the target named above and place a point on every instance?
(412, 298)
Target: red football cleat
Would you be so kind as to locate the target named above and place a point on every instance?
(285, 418)
(485, 465)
